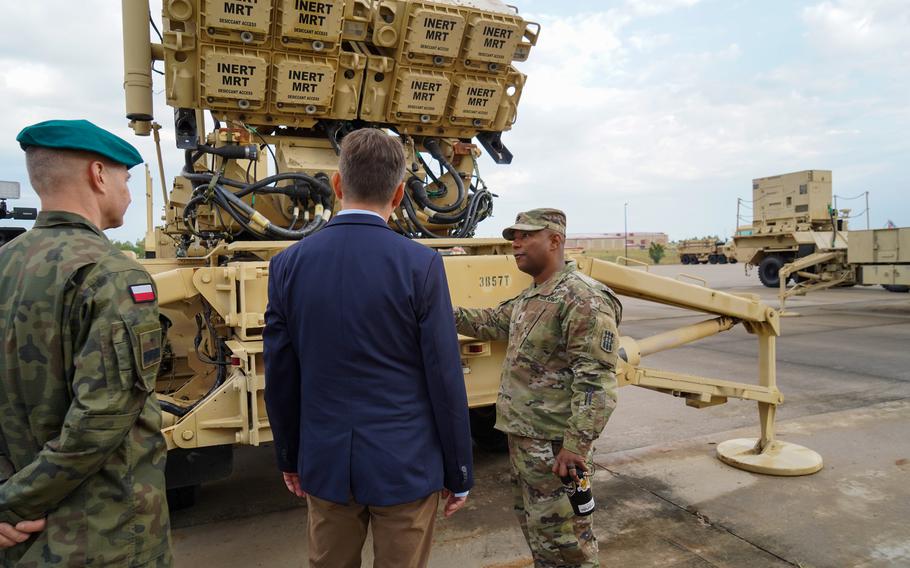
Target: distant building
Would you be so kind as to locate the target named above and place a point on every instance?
(614, 241)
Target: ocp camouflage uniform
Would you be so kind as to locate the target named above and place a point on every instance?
(558, 390)
(80, 439)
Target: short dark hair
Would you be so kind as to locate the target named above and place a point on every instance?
(49, 169)
(371, 165)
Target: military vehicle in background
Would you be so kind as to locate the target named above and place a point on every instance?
(792, 218)
(281, 82)
(881, 256)
(873, 257)
(10, 190)
(704, 251)
(797, 235)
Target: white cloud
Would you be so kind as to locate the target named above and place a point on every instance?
(621, 104)
(656, 7)
(678, 138)
(861, 28)
(25, 79)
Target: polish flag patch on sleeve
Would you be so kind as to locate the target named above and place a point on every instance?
(142, 293)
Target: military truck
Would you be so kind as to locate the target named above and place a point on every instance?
(704, 251)
(10, 190)
(792, 218)
(281, 82)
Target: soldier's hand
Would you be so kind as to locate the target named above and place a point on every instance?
(11, 536)
(568, 463)
(453, 503)
(292, 482)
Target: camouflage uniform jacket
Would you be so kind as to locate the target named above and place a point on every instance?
(558, 376)
(80, 440)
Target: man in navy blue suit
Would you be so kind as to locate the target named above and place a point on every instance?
(364, 387)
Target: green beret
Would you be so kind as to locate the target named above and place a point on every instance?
(79, 135)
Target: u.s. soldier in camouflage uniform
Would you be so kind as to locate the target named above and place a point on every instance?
(81, 452)
(558, 384)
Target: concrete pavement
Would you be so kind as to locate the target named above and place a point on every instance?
(663, 498)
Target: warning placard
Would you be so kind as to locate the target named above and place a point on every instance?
(304, 83)
(435, 33)
(492, 41)
(423, 93)
(312, 19)
(243, 15)
(477, 99)
(235, 76)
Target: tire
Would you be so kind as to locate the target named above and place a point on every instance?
(721, 259)
(712, 259)
(769, 271)
(897, 288)
(732, 260)
(684, 259)
(486, 437)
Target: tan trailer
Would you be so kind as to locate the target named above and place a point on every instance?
(873, 257)
(282, 89)
(881, 256)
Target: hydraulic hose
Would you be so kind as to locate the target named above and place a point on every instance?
(232, 152)
(432, 146)
(178, 411)
(247, 188)
(242, 221)
(261, 222)
(412, 215)
(418, 191)
(443, 189)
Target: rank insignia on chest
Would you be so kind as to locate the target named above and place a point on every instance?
(607, 342)
(142, 293)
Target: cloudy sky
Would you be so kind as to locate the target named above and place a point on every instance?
(671, 106)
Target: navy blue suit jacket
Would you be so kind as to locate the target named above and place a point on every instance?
(364, 387)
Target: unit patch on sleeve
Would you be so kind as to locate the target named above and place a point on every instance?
(142, 293)
(150, 345)
(607, 342)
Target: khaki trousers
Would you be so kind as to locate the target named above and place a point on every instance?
(402, 534)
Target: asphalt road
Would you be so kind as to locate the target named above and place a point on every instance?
(664, 500)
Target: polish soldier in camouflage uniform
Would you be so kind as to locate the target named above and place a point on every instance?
(558, 384)
(81, 452)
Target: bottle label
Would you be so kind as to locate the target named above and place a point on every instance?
(586, 507)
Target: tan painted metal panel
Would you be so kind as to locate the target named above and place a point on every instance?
(801, 196)
(237, 21)
(880, 246)
(300, 23)
(234, 78)
(888, 274)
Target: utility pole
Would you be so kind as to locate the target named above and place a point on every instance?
(867, 211)
(625, 230)
(739, 201)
